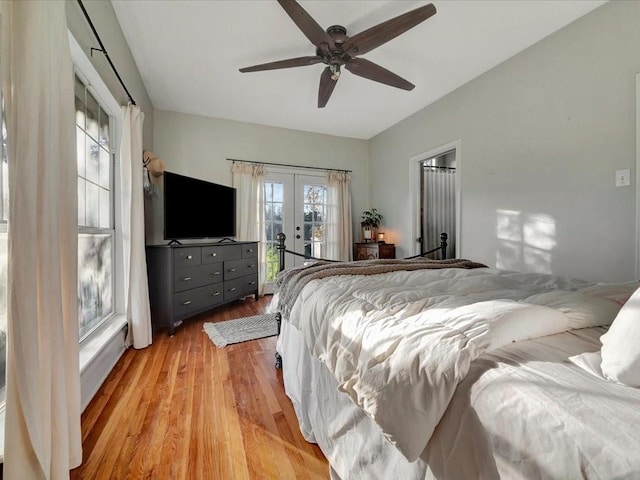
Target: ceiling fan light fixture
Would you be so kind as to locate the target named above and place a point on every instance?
(335, 72)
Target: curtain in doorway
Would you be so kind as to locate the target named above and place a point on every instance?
(42, 421)
(339, 231)
(439, 203)
(136, 287)
(248, 179)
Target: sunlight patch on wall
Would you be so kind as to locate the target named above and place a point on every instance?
(525, 241)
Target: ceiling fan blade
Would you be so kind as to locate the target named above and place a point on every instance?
(307, 24)
(327, 84)
(290, 62)
(373, 37)
(365, 68)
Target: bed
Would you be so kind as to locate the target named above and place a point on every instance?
(455, 371)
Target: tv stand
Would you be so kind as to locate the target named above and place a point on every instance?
(185, 280)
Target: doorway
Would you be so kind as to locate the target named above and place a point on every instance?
(435, 186)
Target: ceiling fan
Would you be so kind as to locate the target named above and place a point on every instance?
(335, 49)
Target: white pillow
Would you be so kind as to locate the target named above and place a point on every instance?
(621, 345)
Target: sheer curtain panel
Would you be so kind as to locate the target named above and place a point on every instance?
(339, 232)
(439, 207)
(248, 179)
(42, 427)
(136, 287)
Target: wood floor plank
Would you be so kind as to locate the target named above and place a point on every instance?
(185, 409)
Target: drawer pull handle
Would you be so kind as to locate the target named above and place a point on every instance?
(213, 274)
(186, 279)
(249, 250)
(189, 257)
(232, 289)
(214, 254)
(215, 294)
(186, 302)
(253, 265)
(252, 283)
(232, 269)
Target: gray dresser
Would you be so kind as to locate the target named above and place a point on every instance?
(185, 280)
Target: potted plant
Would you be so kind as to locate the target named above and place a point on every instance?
(370, 222)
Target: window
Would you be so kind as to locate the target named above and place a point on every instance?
(96, 232)
(4, 211)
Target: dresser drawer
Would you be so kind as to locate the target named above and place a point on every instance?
(197, 276)
(240, 268)
(196, 299)
(250, 250)
(220, 253)
(240, 286)
(184, 257)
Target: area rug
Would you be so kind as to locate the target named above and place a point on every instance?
(242, 329)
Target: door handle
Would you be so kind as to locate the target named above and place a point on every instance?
(186, 279)
(187, 302)
(298, 228)
(297, 236)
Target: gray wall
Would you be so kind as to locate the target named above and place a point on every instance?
(542, 135)
(106, 23)
(199, 146)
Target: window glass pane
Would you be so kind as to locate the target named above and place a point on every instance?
(104, 129)
(268, 211)
(93, 161)
(80, 102)
(105, 168)
(105, 208)
(81, 151)
(277, 192)
(277, 212)
(5, 172)
(82, 199)
(268, 192)
(3, 311)
(92, 116)
(95, 295)
(92, 212)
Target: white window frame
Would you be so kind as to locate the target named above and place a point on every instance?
(97, 341)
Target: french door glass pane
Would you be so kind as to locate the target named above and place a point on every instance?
(95, 285)
(315, 208)
(274, 218)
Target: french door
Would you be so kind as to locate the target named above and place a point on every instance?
(295, 205)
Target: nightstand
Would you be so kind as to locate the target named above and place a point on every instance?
(372, 250)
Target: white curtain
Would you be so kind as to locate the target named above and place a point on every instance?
(339, 231)
(248, 179)
(42, 422)
(439, 208)
(136, 287)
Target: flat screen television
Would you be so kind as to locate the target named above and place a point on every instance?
(196, 208)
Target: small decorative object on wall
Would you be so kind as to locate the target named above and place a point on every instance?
(154, 169)
(370, 222)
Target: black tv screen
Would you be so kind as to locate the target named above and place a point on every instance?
(195, 208)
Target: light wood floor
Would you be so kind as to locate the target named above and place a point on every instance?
(184, 409)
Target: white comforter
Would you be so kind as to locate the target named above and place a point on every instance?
(398, 344)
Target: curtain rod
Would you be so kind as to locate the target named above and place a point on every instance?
(104, 51)
(234, 160)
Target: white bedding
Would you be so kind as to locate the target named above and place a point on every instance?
(400, 343)
(522, 412)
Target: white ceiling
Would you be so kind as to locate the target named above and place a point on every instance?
(189, 53)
